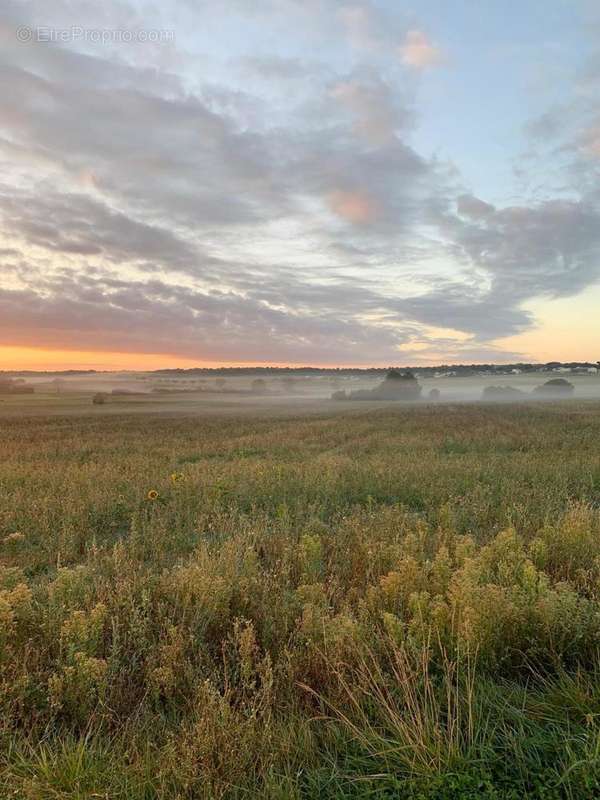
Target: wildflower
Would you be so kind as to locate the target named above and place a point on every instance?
(176, 477)
(152, 494)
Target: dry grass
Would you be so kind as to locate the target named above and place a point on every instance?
(375, 604)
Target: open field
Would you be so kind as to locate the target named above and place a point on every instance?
(355, 602)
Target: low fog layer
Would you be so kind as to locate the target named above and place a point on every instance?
(196, 394)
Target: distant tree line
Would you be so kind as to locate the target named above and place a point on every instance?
(458, 370)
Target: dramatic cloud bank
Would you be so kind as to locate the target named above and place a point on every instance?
(264, 182)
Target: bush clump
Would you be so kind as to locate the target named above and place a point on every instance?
(340, 394)
(555, 387)
(397, 386)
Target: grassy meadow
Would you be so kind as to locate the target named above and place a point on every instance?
(371, 603)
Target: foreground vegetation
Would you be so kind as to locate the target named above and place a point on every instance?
(394, 603)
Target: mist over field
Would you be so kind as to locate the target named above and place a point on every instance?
(258, 392)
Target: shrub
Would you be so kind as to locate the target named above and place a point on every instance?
(555, 387)
(340, 394)
(396, 385)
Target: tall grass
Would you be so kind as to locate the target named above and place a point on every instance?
(382, 604)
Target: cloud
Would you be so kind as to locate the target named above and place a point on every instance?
(591, 143)
(355, 207)
(377, 112)
(360, 26)
(267, 207)
(565, 138)
(101, 313)
(469, 206)
(419, 52)
(548, 125)
(79, 224)
(486, 315)
(548, 249)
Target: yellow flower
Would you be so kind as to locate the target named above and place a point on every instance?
(177, 476)
(152, 494)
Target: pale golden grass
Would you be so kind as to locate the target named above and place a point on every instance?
(299, 607)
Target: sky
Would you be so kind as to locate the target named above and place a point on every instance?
(323, 182)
